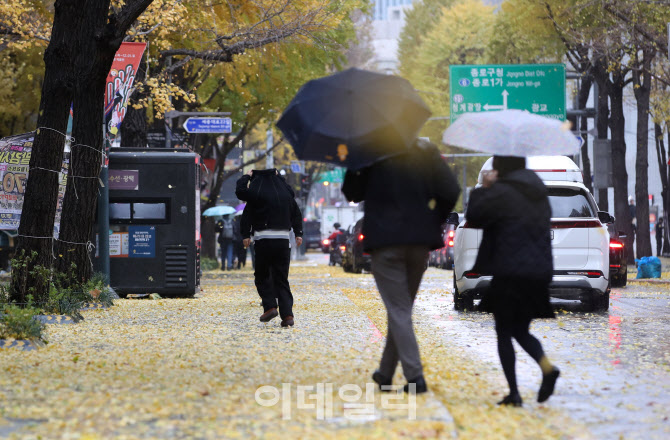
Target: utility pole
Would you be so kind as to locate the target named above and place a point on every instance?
(269, 140)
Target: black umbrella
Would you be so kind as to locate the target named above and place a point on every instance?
(353, 118)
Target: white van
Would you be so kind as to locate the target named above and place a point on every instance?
(580, 240)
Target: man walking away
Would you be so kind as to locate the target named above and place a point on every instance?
(512, 207)
(270, 214)
(407, 198)
(225, 228)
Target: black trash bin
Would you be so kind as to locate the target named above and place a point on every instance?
(154, 219)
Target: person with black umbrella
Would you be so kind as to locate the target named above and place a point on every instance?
(407, 199)
(512, 207)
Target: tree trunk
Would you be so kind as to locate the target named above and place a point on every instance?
(92, 63)
(134, 126)
(617, 126)
(98, 37)
(602, 124)
(41, 194)
(208, 249)
(662, 157)
(642, 90)
(582, 99)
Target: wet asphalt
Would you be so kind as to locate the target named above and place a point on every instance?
(615, 365)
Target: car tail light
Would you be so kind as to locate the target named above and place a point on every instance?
(615, 265)
(576, 224)
(361, 237)
(471, 274)
(451, 234)
(616, 244)
(343, 248)
(451, 243)
(326, 242)
(588, 273)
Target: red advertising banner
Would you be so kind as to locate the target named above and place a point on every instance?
(120, 83)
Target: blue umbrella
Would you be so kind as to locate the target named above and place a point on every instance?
(217, 211)
(353, 118)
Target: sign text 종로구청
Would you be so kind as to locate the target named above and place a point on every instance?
(536, 88)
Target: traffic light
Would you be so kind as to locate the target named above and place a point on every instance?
(305, 185)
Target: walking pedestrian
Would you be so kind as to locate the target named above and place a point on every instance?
(225, 230)
(660, 228)
(513, 209)
(407, 198)
(270, 214)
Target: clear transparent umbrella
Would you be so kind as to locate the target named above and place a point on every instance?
(512, 133)
(219, 210)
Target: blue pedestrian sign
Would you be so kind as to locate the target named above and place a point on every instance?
(208, 125)
(296, 167)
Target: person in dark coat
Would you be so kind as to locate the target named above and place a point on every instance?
(659, 236)
(407, 198)
(512, 207)
(270, 214)
(225, 229)
(238, 244)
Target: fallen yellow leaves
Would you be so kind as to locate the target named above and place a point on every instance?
(190, 368)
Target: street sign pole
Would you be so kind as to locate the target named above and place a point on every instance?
(103, 211)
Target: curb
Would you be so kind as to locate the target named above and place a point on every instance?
(649, 280)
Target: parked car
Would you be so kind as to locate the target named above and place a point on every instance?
(618, 264)
(311, 231)
(354, 259)
(580, 241)
(443, 257)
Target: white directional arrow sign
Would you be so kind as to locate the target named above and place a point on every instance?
(488, 107)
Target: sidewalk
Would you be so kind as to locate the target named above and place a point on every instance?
(192, 368)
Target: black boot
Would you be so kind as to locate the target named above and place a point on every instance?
(548, 383)
(420, 383)
(512, 400)
(382, 380)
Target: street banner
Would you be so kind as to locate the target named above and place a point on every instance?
(535, 88)
(120, 83)
(15, 154)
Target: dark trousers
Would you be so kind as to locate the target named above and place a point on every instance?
(506, 330)
(273, 257)
(398, 271)
(240, 253)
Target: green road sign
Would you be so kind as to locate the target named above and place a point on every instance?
(537, 88)
(334, 176)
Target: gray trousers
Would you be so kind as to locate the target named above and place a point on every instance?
(398, 271)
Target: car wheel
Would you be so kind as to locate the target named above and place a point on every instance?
(461, 302)
(620, 280)
(355, 268)
(598, 302)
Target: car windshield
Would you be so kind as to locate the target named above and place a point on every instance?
(569, 202)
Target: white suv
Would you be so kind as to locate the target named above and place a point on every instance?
(580, 241)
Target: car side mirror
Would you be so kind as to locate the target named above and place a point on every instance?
(605, 217)
(452, 218)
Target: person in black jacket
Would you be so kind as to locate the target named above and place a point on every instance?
(512, 207)
(407, 198)
(270, 214)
